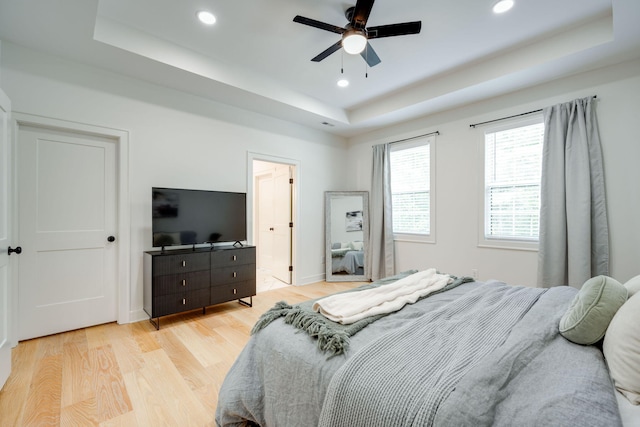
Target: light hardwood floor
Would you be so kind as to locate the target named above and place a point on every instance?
(133, 375)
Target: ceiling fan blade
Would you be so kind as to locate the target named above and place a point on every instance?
(394, 30)
(370, 56)
(317, 24)
(361, 13)
(327, 52)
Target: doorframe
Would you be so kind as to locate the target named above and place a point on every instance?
(123, 216)
(251, 156)
(7, 337)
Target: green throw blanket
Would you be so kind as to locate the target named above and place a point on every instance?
(333, 337)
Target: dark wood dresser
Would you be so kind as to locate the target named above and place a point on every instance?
(187, 279)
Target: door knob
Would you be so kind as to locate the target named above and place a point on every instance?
(111, 239)
(17, 250)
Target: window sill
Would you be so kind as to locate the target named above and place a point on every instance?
(414, 238)
(509, 245)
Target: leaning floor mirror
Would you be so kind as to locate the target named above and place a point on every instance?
(346, 235)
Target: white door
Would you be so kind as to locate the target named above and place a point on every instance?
(282, 223)
(67, 223)
(5, 241)
(265, 221)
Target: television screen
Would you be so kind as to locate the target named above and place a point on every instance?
(188, 217)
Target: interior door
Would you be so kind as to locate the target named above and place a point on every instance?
(265, 221)
(67, 220)
(5, 241)
(282, 223)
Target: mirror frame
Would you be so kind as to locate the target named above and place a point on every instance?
(328, 197)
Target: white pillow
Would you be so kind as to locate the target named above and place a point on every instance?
(357, 245)
(621, 348)
(633, 285)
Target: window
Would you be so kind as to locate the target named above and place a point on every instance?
(512, 166)
(411, 193)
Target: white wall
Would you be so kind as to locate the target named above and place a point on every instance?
(185, 141)
(179, 140)
(458, 195)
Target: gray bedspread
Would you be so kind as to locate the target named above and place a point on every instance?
(331, 337)
(525, 374)
(348, 263)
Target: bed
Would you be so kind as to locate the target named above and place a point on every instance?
(471, 354)
(347, 258)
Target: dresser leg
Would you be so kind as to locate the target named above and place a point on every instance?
(248, 304)
(156, 323)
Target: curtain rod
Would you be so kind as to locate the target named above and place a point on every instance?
(415, 137)
(510, 117)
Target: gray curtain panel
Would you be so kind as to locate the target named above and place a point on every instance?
(380, 257)
(574, 233)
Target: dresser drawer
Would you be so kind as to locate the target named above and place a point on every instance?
(233, 256)
(233, 291)
(233, 274)
(181, 263)
(184, 301)
(181, 282)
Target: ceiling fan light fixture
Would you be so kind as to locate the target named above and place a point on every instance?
(206, 17)
(502, 6)
(354, 41)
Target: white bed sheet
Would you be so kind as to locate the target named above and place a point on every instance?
(629, 413)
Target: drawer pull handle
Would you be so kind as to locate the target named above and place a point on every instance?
(184, 301)
(235, 274)
(184, 282)
(235, 258)
(184, 263)
(234, 291)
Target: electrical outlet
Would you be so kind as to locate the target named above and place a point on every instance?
(474, 273)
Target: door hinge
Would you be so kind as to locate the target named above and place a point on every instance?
(291, 268)
(290, 225)
(290, 180)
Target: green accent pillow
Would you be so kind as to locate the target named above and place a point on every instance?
(588, 317)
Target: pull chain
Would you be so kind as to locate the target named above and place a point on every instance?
(366, 61)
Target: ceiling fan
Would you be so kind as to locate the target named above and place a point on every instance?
(356, 35)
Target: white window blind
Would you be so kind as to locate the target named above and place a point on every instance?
(411, 188)
(513, 164)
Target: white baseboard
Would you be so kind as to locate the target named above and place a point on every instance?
(137, 316)
(310, 279)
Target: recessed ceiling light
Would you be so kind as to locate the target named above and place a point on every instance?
(343, 82)
(502, 6)
(206, 17)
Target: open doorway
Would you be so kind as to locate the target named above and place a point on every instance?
(273, 222)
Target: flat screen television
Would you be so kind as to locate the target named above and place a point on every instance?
(190, 217)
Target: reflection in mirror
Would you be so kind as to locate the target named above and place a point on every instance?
(346, 235)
